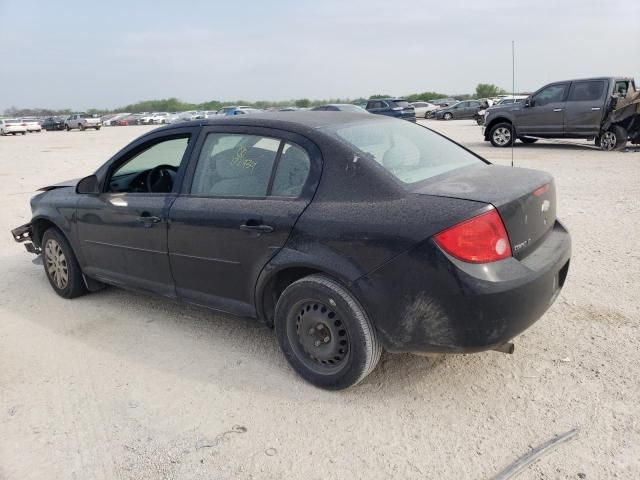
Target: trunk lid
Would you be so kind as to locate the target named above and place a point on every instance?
(525, 199)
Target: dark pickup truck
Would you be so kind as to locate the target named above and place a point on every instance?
(605, 109)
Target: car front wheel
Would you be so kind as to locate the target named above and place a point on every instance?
(325, 333)
(61, 266)
(447, 116)
(501, 135)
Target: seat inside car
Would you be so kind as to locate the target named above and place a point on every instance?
(238, 172)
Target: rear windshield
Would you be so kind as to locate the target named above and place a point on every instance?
(408, 151)
(401, 103)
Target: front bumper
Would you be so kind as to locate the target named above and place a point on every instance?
(427, 301)
(24, 234)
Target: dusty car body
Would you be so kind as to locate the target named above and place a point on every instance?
(346, 232)
(604, 109)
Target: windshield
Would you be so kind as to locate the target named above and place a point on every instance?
(410, 152)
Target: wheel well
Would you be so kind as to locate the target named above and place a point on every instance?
(39, 227)
(277, 284)
(494, 122)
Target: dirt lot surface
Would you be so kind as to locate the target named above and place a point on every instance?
(119, 385)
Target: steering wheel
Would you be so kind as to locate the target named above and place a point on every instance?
(160, 178)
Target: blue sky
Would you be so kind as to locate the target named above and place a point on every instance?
(106, 54)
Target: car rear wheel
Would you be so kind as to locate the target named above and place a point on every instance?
(325, 333)
(61, 266)
(447, 116)
(500, 135)
(81, 127)
(527, 139)
(613, 139)
(68, 128)
(480, 120)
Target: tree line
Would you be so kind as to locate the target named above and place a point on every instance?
(483, 90)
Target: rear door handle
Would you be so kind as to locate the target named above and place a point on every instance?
(256, 228)
(595, 109)
(149, 219)
(557, 109)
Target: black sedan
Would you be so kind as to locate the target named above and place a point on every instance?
(53, 123)
(347, 234)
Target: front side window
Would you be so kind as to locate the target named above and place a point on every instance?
(411, 153)
(586, 91)
(152, 170)
(235, 165)
(551, 94)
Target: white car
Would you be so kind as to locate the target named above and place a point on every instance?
(154, 118)
(33, 124)
(424, 109)
(12, 126)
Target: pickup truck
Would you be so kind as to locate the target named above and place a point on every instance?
(604, 109)
(82, 121)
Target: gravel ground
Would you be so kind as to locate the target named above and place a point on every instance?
(119, 385)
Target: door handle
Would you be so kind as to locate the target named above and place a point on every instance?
(595, 109)
(149, 219)
(256, 228)
(557, 109)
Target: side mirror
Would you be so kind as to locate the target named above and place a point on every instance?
(88, 185)
(527, 102)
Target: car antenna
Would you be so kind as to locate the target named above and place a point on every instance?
(513, 91)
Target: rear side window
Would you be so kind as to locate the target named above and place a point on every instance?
(292, 172)
(586, 91)
(235, 165)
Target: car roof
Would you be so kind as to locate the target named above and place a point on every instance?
(392, 99)
(294, 121)
(593, 78)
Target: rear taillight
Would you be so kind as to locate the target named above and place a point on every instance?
(480, 239)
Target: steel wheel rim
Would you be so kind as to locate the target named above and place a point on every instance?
(319, 336)
(608, 141)
(502, 136)
(447, 116)
(56, 264)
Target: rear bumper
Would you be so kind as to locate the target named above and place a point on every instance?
(426, 301)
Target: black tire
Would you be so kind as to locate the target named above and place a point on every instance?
(527, 139)
(81, 127)
(480, 120)
(613, 139)
(67, 127)
(447, 116)
(325, 334)
(501, 135)
(24, 133)
(97, 128)
(58, 257)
